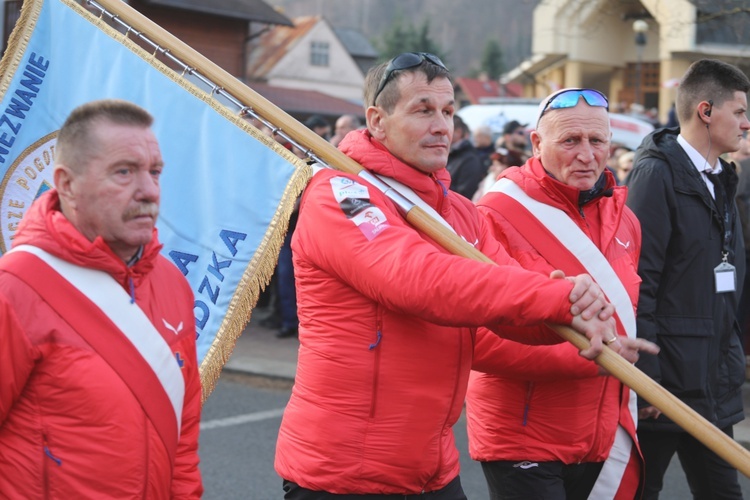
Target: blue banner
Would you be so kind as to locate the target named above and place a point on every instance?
(227, 190)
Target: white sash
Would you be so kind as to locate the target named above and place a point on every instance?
(572, 238)
(101, 289)
(413, 197)
(591, 258)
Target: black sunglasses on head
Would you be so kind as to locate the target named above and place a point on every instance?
(405, 61)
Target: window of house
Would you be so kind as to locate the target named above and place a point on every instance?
(319, 53)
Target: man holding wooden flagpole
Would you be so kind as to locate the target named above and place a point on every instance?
(387, 316)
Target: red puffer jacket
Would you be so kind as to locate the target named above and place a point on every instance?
(386, 335)
(69, 426)
(547, 403)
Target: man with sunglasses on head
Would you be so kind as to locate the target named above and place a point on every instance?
(544, 422)
(387, 316)
(692, 266)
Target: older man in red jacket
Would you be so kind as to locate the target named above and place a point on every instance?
(99, 388)
(544, 422)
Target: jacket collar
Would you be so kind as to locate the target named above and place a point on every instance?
(686, 178)
(537, 183)
(368, 152)
(562, 194)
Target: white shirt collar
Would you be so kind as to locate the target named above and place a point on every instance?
(699, 161)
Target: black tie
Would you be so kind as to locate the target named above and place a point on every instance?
(719, 192)
(720, 198)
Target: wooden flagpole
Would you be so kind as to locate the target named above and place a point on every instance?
(643, 385)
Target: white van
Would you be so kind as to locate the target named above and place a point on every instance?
(626, 130)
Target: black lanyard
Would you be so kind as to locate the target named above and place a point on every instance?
(724, 209)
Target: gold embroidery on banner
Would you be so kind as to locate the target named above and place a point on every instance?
(34, 175)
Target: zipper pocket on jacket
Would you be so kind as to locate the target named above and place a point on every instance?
(456, 378)
(48, 457)
(527, 403)
(374, 349)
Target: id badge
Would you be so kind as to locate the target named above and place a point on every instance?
(725, 277)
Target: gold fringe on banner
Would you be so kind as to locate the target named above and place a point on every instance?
(256, 277)
(17, 42)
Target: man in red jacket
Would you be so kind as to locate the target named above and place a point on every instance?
(543, 420)
(99, 386)
(387, 316)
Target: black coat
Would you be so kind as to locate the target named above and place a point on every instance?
(466, 169)
(701, 359)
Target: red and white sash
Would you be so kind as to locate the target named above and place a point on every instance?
(574, 250)
(140, 355)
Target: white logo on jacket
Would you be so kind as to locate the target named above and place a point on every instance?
(624, 245)
(171, 328)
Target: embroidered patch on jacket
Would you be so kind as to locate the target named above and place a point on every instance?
(354, 200)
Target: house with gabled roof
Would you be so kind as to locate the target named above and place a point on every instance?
(361, 50)
(311, 55)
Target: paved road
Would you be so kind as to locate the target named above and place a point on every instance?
(238, 436)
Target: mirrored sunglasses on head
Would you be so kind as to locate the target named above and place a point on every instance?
(569, 98)
(405, 61)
